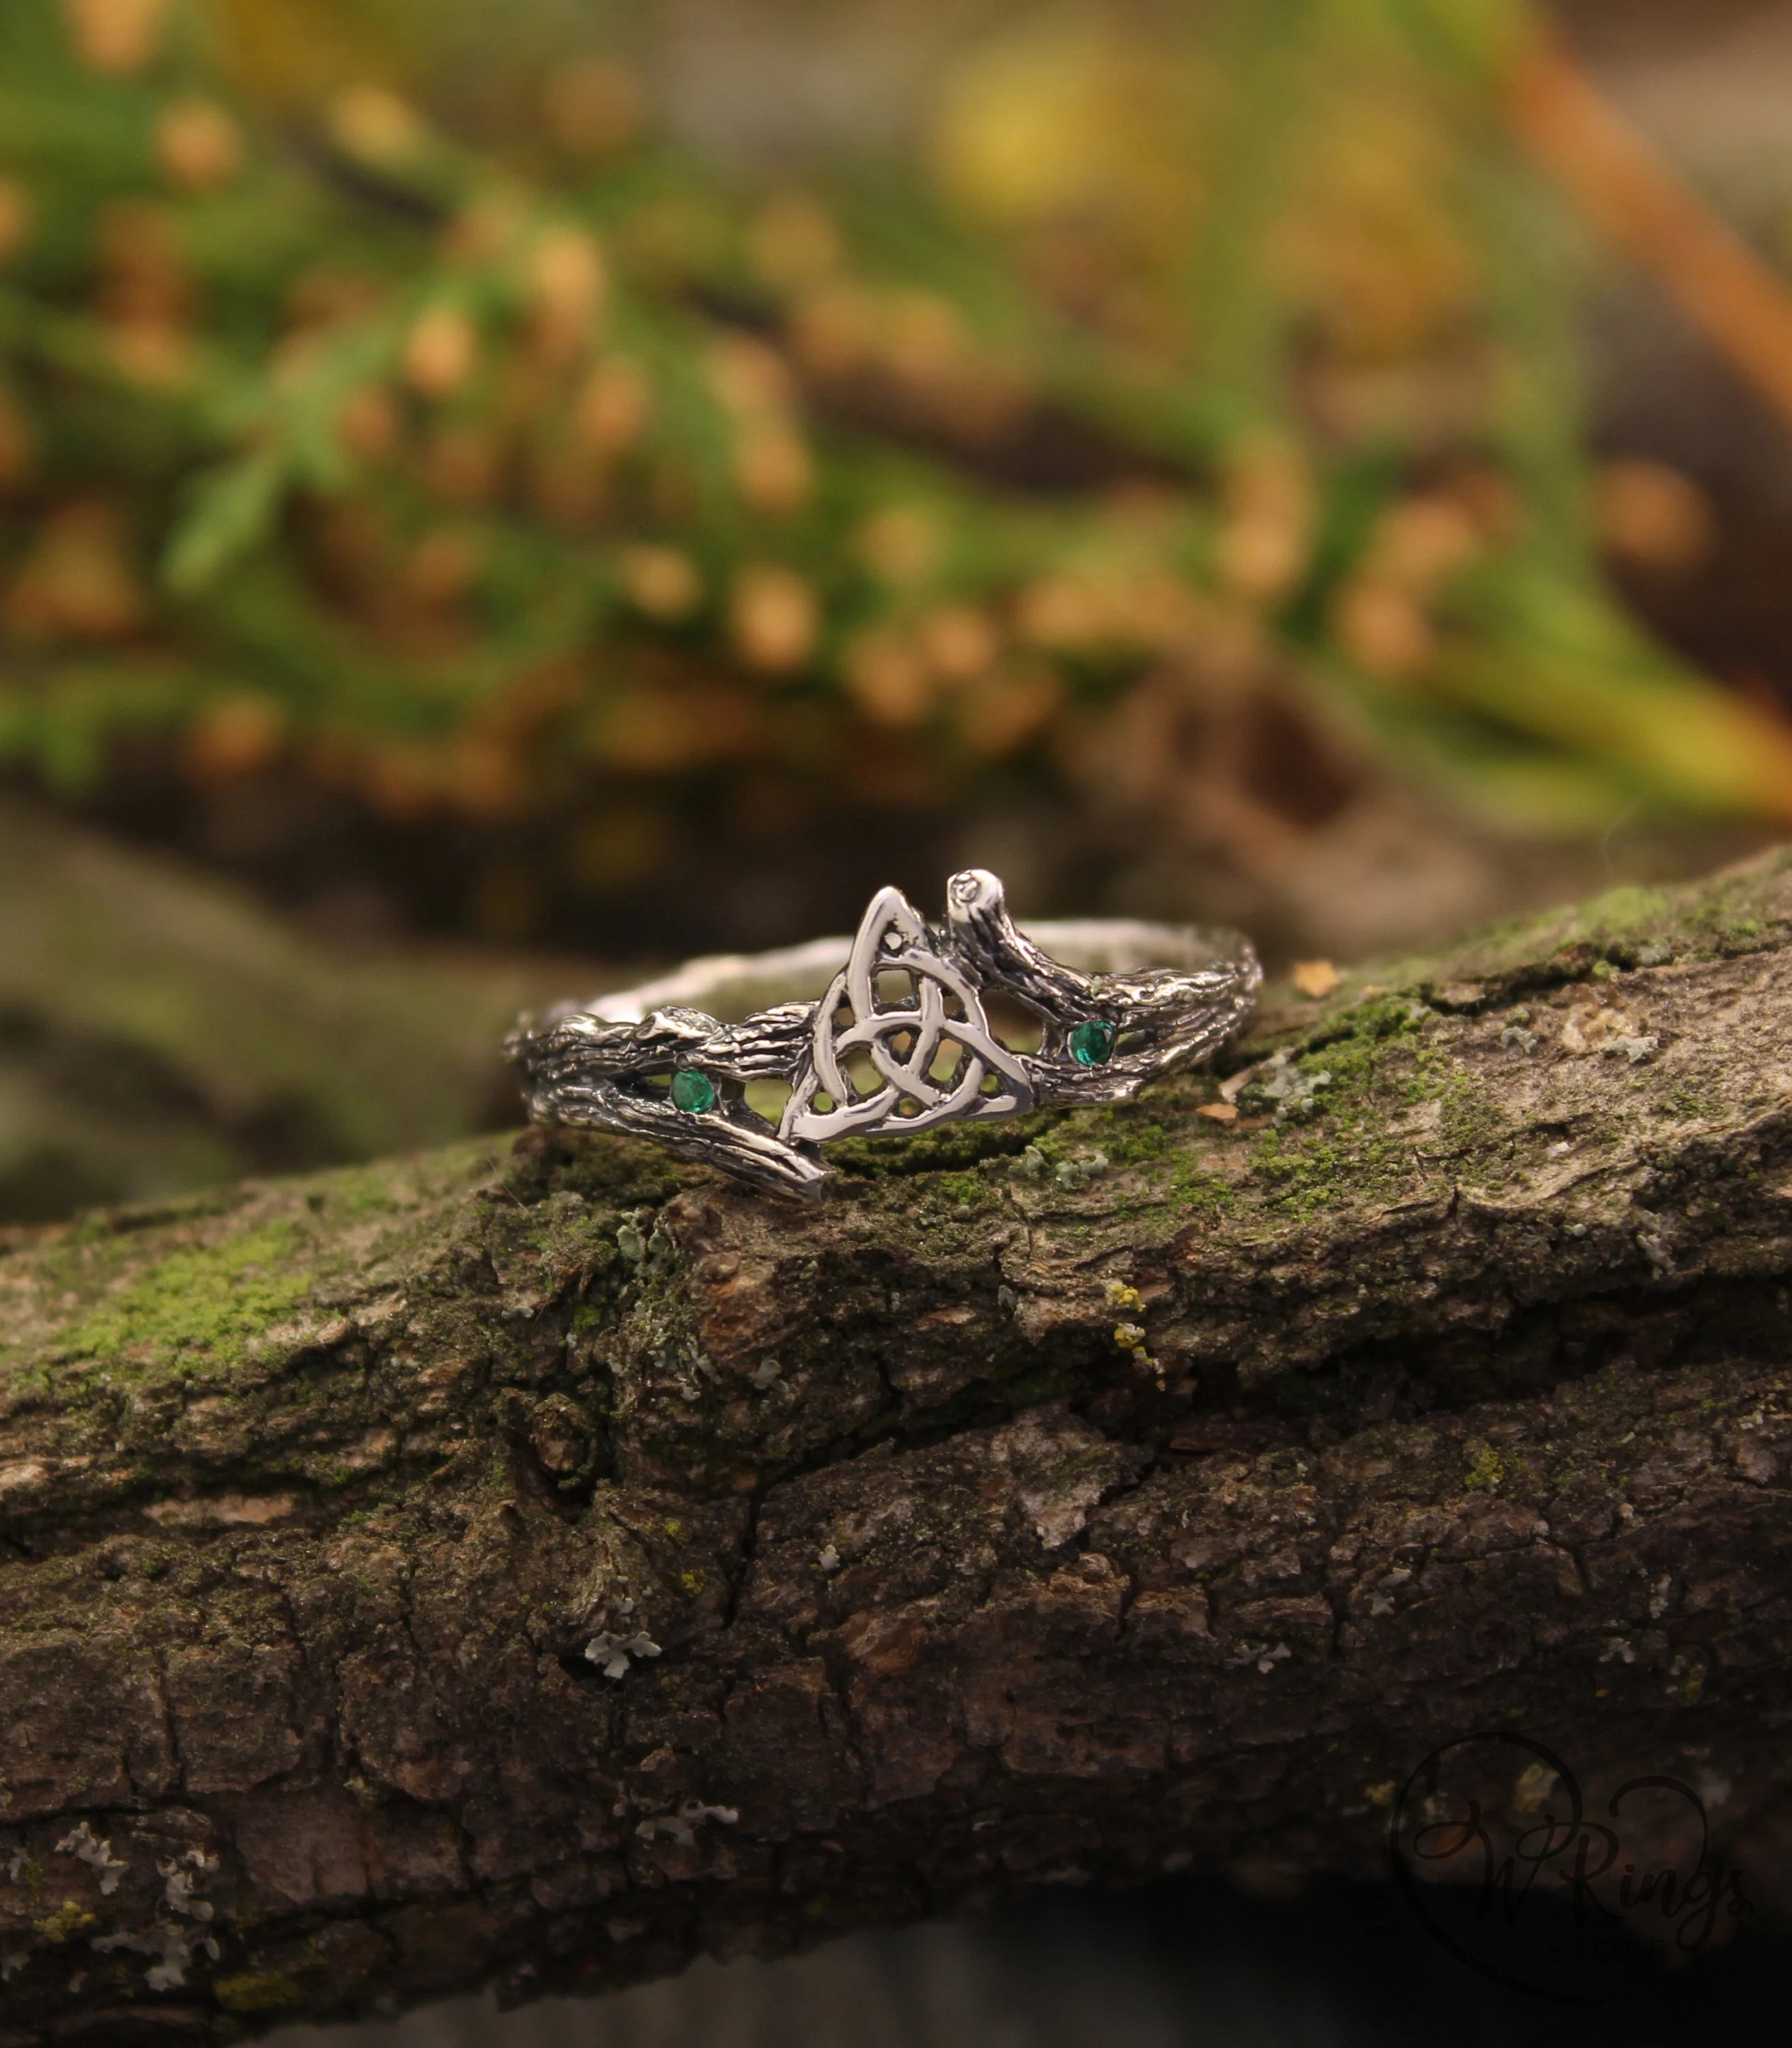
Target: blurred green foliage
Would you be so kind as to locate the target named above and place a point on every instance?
(556, 469)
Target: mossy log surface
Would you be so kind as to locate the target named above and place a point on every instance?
(540, 1562)
(160, 1031)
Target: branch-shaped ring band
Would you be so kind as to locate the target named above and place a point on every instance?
(900, 1041)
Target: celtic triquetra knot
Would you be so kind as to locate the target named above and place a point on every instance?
(903, 1042)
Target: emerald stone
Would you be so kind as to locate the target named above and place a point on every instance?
(1092, 1043)
(692, 1091)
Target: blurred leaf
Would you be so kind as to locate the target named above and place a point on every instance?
(234, 508)
(1547, 652)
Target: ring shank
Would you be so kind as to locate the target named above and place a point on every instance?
(732, 986)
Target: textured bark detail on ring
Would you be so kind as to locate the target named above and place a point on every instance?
(864, 1060)
(582, 1068)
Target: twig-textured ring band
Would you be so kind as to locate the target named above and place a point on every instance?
(902, 1039)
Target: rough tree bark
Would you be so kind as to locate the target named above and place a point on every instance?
(541, 1563)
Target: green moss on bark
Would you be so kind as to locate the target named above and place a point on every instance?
(201, 1306)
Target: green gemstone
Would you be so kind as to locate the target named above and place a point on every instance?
(1092, 1043)
(692, 1091)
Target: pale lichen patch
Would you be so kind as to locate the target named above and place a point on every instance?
(223, 1510)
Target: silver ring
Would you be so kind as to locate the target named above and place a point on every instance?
(900, 1041)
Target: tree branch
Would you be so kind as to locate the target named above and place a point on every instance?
(543, 1563)
(159, 1029)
